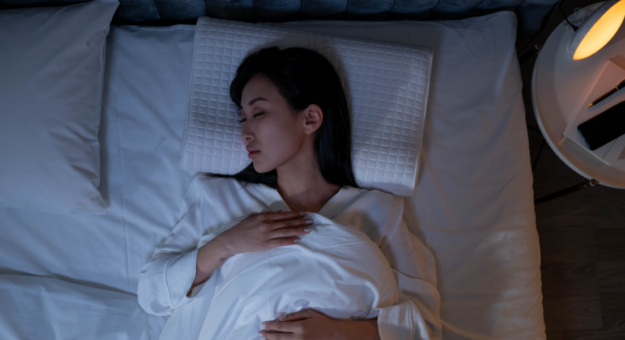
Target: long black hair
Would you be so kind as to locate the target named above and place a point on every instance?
(303, 77)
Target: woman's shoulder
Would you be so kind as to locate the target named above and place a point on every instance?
(374, 202)
(374, 212)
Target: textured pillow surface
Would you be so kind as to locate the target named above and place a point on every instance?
(51, 81)
(387, 86)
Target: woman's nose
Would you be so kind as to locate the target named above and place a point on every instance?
(246, 134)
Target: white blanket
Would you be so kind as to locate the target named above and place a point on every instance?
(336, 270)
(359, 261)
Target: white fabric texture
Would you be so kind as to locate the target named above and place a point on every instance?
(342, 268)
(36, 307)
(387, 85)
(51, 80)
(472, 206)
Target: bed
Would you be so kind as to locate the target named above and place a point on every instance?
(75, 276)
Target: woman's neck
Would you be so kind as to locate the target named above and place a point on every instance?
(301, 184)
(306, 193)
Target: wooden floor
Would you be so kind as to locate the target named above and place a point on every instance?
(582, 237)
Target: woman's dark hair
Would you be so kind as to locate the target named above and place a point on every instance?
(303, 77)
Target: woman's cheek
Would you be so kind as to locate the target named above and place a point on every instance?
(279, 144)
(265, 142)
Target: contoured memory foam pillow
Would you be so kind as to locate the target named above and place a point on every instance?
(386, 84)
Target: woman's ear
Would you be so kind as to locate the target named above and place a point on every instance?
(313, 117)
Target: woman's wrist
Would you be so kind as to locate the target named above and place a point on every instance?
(210, 256)
(361, 330)
(373, 326)
(225, 248)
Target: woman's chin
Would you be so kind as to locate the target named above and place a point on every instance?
(260, 169)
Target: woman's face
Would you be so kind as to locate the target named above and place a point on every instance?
(269, 125)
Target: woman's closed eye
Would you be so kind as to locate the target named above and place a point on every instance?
(258, 114)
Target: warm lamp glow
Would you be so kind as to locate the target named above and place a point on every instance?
(601, 32)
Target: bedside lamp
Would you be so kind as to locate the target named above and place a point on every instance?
(597, 30)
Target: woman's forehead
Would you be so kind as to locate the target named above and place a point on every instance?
(258, 89)
(257, 99)
(259, 85)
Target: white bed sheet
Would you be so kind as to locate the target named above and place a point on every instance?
(49, 308)
(472, 206)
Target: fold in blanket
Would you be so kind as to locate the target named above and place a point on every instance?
(336, 270)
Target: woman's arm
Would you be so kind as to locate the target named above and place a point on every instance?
(166, 277)
(209, 257)
(256, 232)
(365, 329)
(310, 324)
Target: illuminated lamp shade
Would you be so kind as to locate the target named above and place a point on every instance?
(597, 29)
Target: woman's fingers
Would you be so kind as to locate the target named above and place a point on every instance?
(286, 327)
(291, 223)
(279, 330)
(283, 215)
(288, 232)
(303, 314)
(279, 336)
(290, 228)
(281, 242)
(285, 227)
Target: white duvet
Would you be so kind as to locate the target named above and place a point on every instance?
(359, 261)
(336, 270)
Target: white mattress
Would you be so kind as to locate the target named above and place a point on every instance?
(473, 205)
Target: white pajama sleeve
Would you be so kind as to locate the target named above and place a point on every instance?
(168, 275)
(417, 313)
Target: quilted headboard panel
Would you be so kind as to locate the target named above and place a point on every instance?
(532, 14)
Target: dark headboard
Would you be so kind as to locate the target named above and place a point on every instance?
(532, 14)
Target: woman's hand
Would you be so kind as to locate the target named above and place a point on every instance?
(311, 325)
(263, 231)
(254, 233)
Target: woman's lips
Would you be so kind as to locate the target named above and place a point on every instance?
(251, 154)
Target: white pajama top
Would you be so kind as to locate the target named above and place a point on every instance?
(359, 262)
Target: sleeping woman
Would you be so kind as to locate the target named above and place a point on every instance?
(290, 247)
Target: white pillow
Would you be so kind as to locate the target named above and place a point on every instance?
(51, 81)
(387, 85)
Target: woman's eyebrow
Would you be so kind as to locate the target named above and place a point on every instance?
(255, 100)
